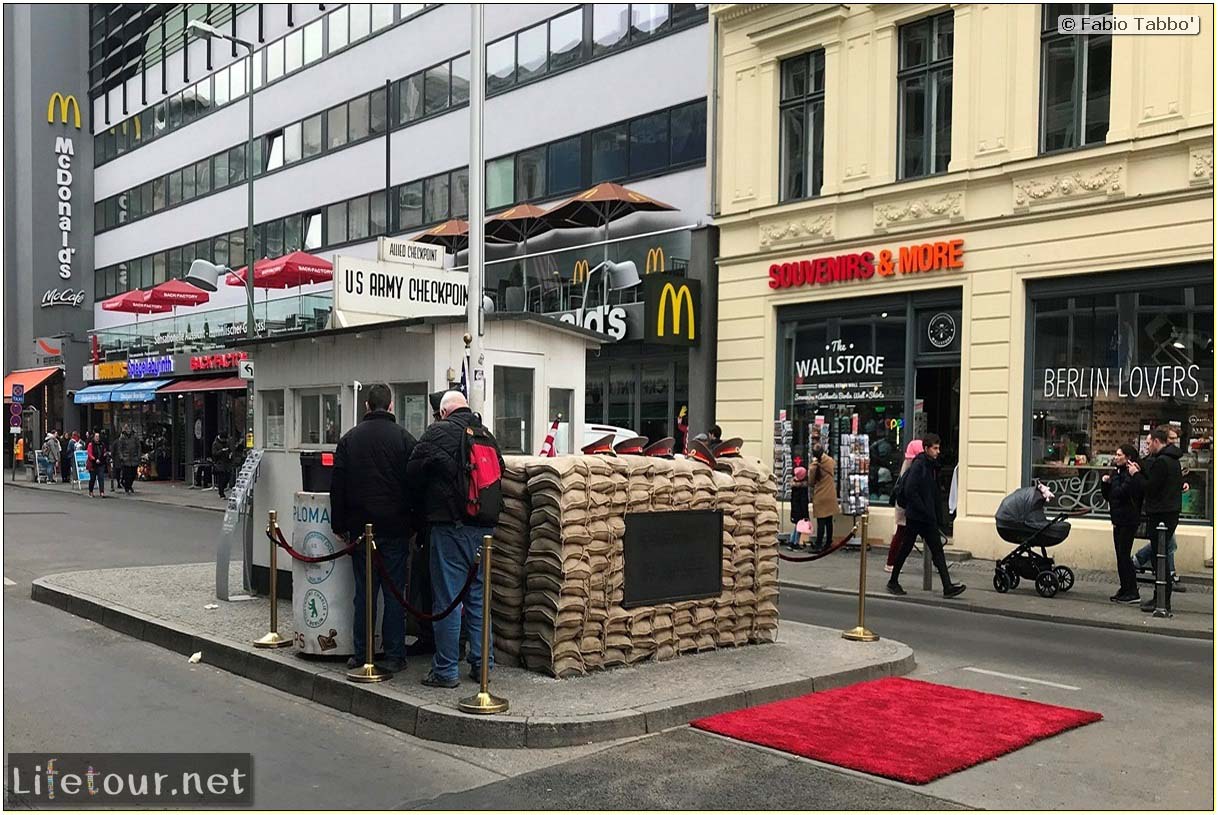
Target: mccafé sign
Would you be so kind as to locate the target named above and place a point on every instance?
(216, 362)
(938, 256)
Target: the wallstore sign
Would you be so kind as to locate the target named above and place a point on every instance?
(918, 258)
(213, 362)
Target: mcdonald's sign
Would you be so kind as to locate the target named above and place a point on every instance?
(655, 260)
(580, 273)
(672, 311)
(65, 104)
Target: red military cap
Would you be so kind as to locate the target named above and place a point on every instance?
(661, 448)
(631, 447)
(729, 448)
(602, 446)
(699, 451)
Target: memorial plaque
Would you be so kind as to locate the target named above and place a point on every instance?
(672, 556)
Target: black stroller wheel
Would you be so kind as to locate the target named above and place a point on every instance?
(1013, 576)
(1001, 584)
(1046, 584)
(1065, 577)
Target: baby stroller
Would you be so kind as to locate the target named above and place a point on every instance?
(1021, 520)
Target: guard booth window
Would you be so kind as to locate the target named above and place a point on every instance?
(514, 409)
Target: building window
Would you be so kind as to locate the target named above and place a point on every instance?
(357, 119)
(336, 127)
(500, 182)
(566, 39)
(319, 414)
(531, 174)
(410, 205)
(336, 224)
(274, 151)
(564, 165)
(1112, 359)
(338, 28)
(272, 419)
(312, 230)
(411, 408)
(435, 89)
(514, 409)
(410, 99)
(311, 136)
(647, 20)
(610, 26)
(648, 143)
(500, 64)
(531, 52)
(357, 218)
(801, 112)
(459, 192)
(460, 80)
(561, 402)
(610, 151)
(1075, 79)
(924, 97)
(435, 198)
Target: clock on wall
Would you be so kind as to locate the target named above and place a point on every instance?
(941, 330)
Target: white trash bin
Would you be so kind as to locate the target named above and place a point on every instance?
(323, 594)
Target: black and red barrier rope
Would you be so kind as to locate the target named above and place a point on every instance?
(279, 541)
(819, 555)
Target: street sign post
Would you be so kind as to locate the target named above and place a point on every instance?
(14, 420)
(245, 370)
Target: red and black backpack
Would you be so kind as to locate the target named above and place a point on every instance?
(482, 490)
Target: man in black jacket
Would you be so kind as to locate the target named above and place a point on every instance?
(436, 473)
(919, 496)
(368, 485)
(1164, 486)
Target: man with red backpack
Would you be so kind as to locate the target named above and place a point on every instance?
(455, 472)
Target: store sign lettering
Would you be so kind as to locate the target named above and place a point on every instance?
(913, 259)
(112, 370)
(154, 366)
(840, 375)
(609, 320)
(1163, 382)
(212, 362)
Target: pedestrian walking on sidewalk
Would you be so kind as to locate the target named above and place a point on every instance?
(440, 473)
(898, 537)
(369, 486)
(53, 453)
(98, 461)
(126, 458)
(799, 504)
(1123, 489)
(919, 495)
(1164, 489)
(66, 460)
(221, 457)
(821, 468)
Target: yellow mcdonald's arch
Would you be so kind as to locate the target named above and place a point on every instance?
(580, 273)
(65, 102)
(654, 255)
(678, 296)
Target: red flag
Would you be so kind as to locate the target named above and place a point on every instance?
(547, 448)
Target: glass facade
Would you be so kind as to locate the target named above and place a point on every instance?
(1111, 359)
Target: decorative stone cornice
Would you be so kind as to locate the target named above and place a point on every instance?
(796, 230)
(1201, 166)
(1108, 181)
(949, 206)
(734, 11)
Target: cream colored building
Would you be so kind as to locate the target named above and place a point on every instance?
(1069, 304)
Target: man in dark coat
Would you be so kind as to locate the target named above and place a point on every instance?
(436, 475)
(126, 459)
(220, 458)
(368, 485)
(919, 497)
(1164, 487)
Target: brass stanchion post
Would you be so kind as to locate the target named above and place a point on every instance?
(369, 672)
(860, 633)
(272, 639)
(484, 701)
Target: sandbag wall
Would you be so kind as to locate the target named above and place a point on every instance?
(557, 569)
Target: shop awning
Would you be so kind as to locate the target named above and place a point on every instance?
(93, 394)
(205, 383)
(31, 378)
(142, 391)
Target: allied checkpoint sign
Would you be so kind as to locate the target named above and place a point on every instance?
(371, 291)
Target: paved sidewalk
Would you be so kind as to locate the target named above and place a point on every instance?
(168, 493)
(175, 607)
(1085, 604)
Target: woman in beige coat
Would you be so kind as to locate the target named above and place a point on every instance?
(824, 495)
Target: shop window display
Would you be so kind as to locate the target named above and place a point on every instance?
(1107, 369)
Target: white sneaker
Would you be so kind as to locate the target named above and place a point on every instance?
(887, 568)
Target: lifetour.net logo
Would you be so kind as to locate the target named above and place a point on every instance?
(106, 779)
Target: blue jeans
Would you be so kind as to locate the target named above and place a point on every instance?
(1146, 555)
(453, 553)
(394, 553)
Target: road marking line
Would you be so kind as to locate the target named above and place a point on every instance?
(8, 582)
(1020, 678)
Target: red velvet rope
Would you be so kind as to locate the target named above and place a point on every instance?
(819, 555)
(423, 617)
(284, 545)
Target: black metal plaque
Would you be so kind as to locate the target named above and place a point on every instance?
(672, 556)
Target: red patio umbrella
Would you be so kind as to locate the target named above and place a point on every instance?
(134, 302)
(290, 271)
(177, 293)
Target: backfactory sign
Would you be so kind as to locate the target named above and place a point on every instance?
(672, 312)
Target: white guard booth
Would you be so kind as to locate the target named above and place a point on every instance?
(532, 372)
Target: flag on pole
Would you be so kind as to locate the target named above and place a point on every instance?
(464, 384)
(547, 448)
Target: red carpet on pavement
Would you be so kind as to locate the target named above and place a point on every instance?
(904, 729)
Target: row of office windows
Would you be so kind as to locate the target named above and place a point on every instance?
(584, 33)
(1076, 74)
(340, 28)
(652, 144)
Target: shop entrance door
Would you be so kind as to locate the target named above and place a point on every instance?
(937, 410)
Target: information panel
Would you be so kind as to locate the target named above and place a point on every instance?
(672, 556)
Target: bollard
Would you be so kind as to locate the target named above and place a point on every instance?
(369, 672)
(1161, 576)
(860, 633)
(272, 639)
(483, 701)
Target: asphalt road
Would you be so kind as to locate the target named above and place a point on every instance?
(72, 684)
